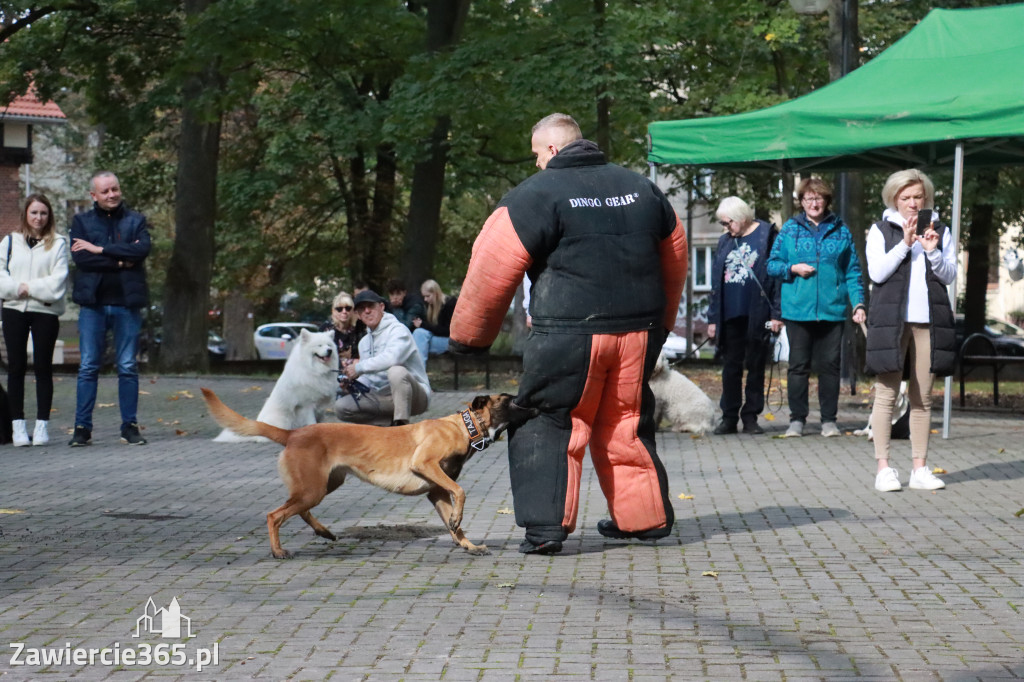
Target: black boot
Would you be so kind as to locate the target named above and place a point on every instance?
(724, 427)
(549, 547)
(607, 528)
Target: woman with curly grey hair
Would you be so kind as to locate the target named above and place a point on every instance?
(743, 308)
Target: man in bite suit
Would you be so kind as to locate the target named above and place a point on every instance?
(606, 256)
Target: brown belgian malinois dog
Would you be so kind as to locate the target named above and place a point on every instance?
(425, 457)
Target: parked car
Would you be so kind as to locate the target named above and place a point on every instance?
(676, 347)
(216, 346)
(274, 339)
(151, 339)
(1007, 337)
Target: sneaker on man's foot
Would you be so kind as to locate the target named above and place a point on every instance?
(83, 436)
(923, 479)
(830, 430)
(887, 481)
(130, 435)
(795, 430)
(724, 427)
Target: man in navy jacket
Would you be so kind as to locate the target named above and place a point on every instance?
(109, 246)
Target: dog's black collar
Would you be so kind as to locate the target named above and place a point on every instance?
(478, 438)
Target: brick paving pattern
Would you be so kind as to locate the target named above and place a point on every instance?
(785, 563)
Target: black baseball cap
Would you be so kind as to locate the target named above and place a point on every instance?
(367, 296)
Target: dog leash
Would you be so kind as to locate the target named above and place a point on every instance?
(772, 364)
(478, 440)
(354, 388)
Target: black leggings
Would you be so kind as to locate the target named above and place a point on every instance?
(44, 328)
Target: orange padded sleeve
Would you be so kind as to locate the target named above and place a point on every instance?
(674, 260)
(496, 269)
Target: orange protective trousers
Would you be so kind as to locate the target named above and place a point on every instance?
(591, 390)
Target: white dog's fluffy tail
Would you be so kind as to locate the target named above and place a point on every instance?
(229, 436)
(238, 424)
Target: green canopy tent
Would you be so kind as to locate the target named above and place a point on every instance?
(957, 76)
(952, 88)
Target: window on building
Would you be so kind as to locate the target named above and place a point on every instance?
(701, 258)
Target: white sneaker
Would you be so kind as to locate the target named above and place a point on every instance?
(923, 479)
(18, 433)
(887, 480)
(40, 435)
(795, 430)
(830, 430)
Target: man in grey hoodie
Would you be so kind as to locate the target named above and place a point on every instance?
(389, 366)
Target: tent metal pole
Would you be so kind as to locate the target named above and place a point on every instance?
(958, 192)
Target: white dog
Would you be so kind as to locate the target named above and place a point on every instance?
(680, 401)
(899, 414)
(306, 387)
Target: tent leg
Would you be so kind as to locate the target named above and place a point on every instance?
(958, 196)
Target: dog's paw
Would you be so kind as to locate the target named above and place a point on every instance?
(283, 554)
(478, 550)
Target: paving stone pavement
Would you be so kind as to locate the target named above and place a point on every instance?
(785, 564)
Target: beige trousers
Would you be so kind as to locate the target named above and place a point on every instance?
(917, 339)
(407, 399)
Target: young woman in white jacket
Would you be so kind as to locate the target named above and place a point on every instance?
(33, 281)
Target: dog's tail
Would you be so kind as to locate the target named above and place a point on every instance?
(238, 424)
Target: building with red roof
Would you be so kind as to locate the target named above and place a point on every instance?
(16, 122)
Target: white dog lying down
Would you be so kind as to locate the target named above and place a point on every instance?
(900, 418)
(680, 401)
(307, 386)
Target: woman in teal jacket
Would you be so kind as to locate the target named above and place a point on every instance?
(815, 259)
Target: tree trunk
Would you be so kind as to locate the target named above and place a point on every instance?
(424, 223)
(982, 234)
(603, 137)
(444, 24)
(788, 186)
(383, 212)
(187, 291)
(368, 217)
(239, 327)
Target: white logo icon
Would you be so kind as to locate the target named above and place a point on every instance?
(164, 622)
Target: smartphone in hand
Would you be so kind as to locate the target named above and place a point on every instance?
(924, 220)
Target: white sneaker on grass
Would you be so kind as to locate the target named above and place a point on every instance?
(887, 481)
(795, 430)
(830, 430)
(923, 479)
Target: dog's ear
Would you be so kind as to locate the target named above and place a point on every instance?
(304, 334)
(480, 402)
(519, 415)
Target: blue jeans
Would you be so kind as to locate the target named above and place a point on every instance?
(93, 324)
(428, 344)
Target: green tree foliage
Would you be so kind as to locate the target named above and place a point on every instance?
(326, 109)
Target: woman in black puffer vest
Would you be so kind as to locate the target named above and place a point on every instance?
(911, 320)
